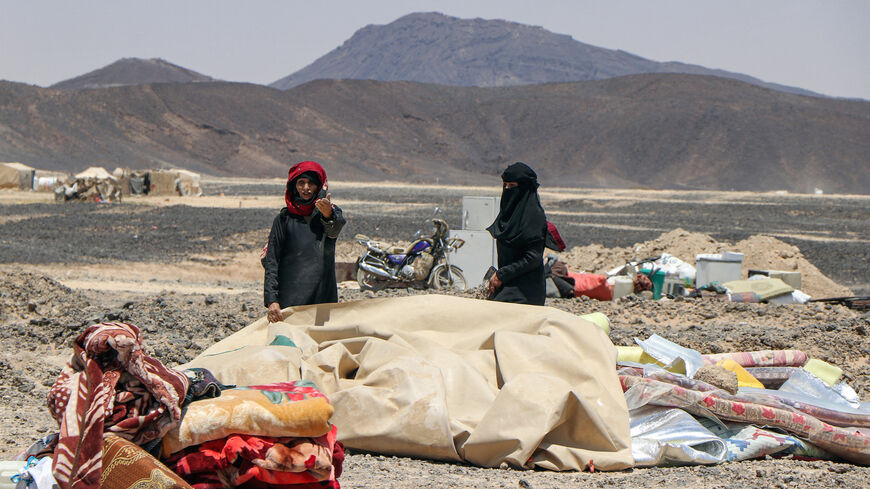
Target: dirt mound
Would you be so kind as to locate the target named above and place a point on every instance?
(767, 253)
(760, 252)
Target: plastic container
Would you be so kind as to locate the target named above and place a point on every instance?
(622, 286)
(7, 470)
(724, 267)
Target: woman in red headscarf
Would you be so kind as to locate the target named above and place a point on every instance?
(300, 256)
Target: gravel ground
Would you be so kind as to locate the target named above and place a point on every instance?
(832, 232)
(39, 316)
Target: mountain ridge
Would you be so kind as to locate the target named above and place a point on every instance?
(653, 131)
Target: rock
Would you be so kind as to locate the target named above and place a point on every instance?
(719, 377)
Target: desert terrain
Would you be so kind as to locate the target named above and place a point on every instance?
(186, 271)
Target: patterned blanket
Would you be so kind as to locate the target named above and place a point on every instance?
(849, 444)
(109, 385)
(283, 409)
(762, 358)
(836, 418)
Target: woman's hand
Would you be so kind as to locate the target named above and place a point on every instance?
(494, 283)
(324, 205)
(275, 314)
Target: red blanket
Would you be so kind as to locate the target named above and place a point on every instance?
(259, 461)
(109, 385)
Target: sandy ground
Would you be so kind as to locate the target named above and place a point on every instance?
(198, 279)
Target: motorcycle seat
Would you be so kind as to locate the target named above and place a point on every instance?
(399, 250)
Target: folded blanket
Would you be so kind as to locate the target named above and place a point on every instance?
(255, 461)
(109, 385)
(127, 466)
(284, 409)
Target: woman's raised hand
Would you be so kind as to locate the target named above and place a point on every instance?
(324, 205)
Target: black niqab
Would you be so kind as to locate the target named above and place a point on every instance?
(521, 219)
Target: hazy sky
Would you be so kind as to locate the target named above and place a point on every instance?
(822, 46)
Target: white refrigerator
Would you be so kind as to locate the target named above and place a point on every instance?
(478, 253)
(475, 256)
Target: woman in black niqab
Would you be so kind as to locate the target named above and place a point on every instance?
(519, 230)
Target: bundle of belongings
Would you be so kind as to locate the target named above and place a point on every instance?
(561, 282)
(689, 408)
(91, 189)
(127, 421)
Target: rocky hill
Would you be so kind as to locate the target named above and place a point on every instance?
(132, 71)
(653, 131)
(436, 48)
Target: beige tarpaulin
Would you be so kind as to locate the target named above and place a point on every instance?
(16, 176)
(175, 181)
(448, 378)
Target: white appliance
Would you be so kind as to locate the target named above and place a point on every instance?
(475, 256)
(720, 267)
(478, 253)
(479, 212)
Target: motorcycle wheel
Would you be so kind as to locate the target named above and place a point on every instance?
(367, 281)
(439, 279)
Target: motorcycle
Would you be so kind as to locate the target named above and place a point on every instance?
(425, 263)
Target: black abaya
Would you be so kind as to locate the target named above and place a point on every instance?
(519, 231)
(300, 259)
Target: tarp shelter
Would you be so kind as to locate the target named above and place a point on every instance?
(94, 183)
(16, 176)
(189, 182)
(449, 378)
(174, 182)
(122, 175)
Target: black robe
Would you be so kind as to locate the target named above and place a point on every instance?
(300, 259)
(521, 270)
(519, 231)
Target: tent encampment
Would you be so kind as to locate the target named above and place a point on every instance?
(16, 176)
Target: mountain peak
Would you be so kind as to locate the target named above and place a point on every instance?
(431, 47)
(132, 71)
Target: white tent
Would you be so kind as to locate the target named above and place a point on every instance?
(95, 172)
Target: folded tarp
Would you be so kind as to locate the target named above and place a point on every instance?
(449, 378)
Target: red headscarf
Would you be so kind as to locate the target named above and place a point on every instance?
(294, 173)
